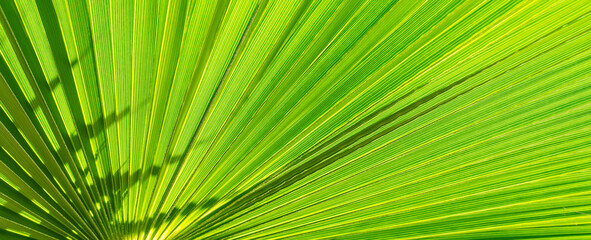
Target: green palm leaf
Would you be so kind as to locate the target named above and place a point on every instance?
(320, 119)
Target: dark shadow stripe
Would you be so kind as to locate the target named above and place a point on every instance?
(15, 197)
(60, 56)
(31, 66)
(13, 236)
(32, 69)
(57, 45)
(32, 184)
(7, 213)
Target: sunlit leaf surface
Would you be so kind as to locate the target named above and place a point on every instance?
(295, 119)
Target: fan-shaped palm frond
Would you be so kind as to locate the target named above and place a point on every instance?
(295, 119)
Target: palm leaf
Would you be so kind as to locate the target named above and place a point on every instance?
(254, 119)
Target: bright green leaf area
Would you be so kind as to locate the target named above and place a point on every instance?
(295, 119)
